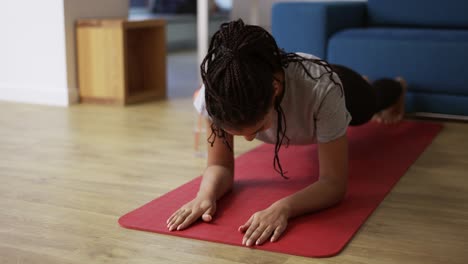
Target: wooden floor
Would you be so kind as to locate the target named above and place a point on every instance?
(67, 174)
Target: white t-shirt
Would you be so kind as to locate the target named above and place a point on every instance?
(315, 110)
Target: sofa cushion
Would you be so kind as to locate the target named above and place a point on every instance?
(431, 60)
(418, 13)
(306, 26)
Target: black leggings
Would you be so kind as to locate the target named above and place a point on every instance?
(363, 99)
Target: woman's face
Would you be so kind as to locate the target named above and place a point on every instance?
(250, 132)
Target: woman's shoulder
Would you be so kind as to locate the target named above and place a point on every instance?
(199, 101)
(307, 55)
(310, 77)
(300, 69)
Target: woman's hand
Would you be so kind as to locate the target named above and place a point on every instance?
(201, 206)
(266, 224)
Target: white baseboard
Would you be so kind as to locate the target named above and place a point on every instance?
(37, 95)
(73, 96)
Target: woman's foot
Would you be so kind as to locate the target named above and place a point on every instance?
(395, 112)
(366, 78)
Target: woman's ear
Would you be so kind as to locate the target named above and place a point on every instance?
(277, 87)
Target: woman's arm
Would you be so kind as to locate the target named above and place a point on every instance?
(217, 180)
(331, 185)
(219, 173)
(328, 190)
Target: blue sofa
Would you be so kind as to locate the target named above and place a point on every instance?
(424, 41)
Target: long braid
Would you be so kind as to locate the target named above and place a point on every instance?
(287, 58)
(280, 137)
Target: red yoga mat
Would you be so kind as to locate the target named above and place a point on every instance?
(379, 156)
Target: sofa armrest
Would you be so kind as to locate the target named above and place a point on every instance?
(306, 26)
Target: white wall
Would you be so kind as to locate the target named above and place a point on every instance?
(32, 52)
(37, 54)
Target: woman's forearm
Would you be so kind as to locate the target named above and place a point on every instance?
(216, 181)
(317, 196)
(331, 186)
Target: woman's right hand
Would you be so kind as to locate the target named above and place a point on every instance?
(217, 180)
(201, 206)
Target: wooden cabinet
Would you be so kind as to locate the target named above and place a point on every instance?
(121, 61)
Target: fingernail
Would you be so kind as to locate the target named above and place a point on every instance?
(249, 243)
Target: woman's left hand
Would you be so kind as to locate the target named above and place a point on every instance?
(265, 224)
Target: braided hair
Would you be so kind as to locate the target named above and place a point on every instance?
(238, 72)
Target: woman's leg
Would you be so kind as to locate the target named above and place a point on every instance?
(360, 96)
(382, 101)
(390, 100)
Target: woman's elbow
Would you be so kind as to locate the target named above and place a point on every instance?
(338, 193)
(340, 196)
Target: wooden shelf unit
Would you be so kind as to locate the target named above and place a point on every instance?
(121, 61)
